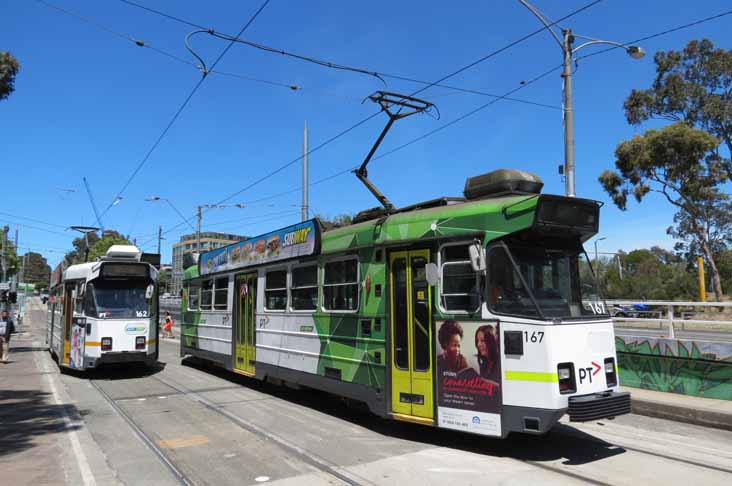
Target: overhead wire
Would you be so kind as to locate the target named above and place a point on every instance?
(23, 225)
(524, 84)
(488, 56)
(659, 34)
(33, 220)
(315, 60)
(181, 108)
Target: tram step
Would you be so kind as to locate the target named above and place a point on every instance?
(598, 406)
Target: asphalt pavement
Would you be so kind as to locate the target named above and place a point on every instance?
(184, 423)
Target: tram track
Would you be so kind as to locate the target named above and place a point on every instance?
(179, 475)
(302, 454)
(648, 452)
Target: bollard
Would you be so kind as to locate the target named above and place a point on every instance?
(671, 334)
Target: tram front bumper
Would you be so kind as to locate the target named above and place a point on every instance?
(596, 406)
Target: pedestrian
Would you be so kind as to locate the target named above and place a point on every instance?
(6, 327)
(168, 326)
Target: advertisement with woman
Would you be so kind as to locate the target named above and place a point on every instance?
(468, 368)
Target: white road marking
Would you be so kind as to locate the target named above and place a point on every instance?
(86, 474)
(261, 479)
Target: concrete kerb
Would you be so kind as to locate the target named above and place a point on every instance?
(693, 410)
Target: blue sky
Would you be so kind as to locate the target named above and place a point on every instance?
(89, 103)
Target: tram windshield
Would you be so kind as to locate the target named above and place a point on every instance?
(543, 282)
(117, 299)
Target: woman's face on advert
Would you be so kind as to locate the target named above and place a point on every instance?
(481, 344)
(453, 345)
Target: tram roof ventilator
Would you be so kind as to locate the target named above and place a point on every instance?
(122, 252)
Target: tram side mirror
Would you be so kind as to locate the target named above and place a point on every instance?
(149, 291)
(433, 274)
(477, 257)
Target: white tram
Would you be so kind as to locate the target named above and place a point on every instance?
(104, 312)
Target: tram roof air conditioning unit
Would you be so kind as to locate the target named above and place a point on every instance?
(502, 182)
(123, 252)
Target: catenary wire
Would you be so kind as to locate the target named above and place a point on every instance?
(484, 58)
(180, 110)
(659, 34)
(33, 220)
(145, 44)
(22, 225)
(546, 73)
(506, 47)
(323, 62)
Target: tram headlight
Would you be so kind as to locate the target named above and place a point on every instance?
(565, 373)
(106, 344)
(140, 342)
(611, 377)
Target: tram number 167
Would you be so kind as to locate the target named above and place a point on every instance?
(534, 337)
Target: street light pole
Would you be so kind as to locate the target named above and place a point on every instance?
(598, 239)
(568, 114)
(199, 214)
(565, 43)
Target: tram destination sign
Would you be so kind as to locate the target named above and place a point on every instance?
(299, 240)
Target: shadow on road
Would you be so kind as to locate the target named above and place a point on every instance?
(26, 415)
(120, 371)
(562, 442)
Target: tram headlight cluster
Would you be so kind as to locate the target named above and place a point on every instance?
(106, 344)
(565, 373)
(140, 342)
(611, 377)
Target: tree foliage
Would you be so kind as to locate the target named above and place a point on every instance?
(682, 164)
(35, 269)
(9, 67)
(12, 262)
(693, 86)
(650, 274)
(336, 222)
(97, 246)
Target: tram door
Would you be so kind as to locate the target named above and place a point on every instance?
(68, 316)
(246, 306)
(411, 335)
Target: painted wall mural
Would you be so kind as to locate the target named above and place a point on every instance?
(697, 368)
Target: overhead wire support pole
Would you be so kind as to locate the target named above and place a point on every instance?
(387, 101)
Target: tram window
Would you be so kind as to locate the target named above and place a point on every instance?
(506, 292)
(221, 293)
(304, 288)
(340, 285)
(460, 285)
(90, 307)
(275, 290)
(193, 297)
(206, 297)
(78, 301)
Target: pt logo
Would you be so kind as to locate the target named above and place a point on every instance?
(588, 373)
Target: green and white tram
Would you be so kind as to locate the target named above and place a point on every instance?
(104, 312)
(478, 314)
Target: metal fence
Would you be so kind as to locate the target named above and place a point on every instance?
(668, 314)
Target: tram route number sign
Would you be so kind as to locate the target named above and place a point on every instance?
(589, 372)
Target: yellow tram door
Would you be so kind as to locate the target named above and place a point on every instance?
(411, 337)
(68, 316)
(245, 354)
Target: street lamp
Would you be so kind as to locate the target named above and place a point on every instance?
(598, 239)
(565, 43)
(199, 214)
(158, 198)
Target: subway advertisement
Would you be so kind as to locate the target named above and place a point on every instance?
(469, 376)
(302, 239)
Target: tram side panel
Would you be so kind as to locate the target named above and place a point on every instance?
(205, 333)
(339, 352)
